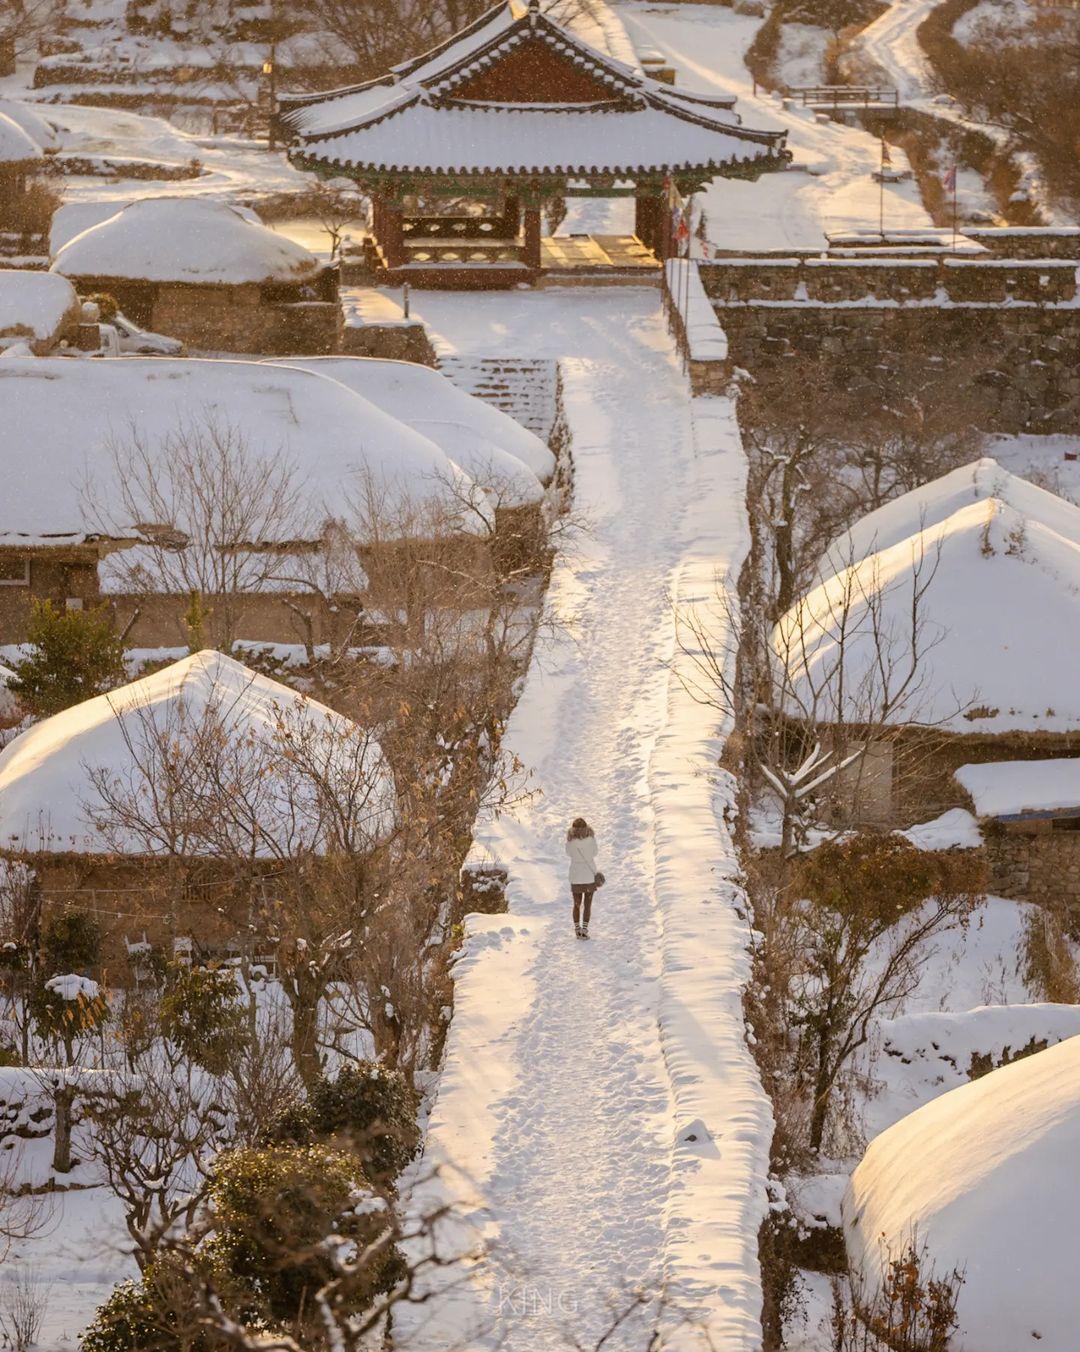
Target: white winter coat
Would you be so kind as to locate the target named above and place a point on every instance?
(582, 853)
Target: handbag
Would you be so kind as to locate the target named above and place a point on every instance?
(599, 880)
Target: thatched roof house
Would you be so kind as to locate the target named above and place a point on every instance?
(205, 272)
(992, 568)
(198, 767)
(68, 502)
(20, 156)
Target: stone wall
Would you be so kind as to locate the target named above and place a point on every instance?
(1011, 325)
(394, 340)
(1021, 359)
(239, 319)
(1027, 241)
(1038, 864)
(56, 576)
(938, 280)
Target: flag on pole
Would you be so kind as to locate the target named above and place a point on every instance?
(950, 179)
(885, 156)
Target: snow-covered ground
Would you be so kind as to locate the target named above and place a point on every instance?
(830, 186)
(599, 1117)
(227, 167)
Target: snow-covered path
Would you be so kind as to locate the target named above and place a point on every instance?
(573, 1069)
(891, 43)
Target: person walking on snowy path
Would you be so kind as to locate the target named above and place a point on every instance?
(584, 878)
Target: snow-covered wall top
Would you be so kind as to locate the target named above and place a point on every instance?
(1018, 788)
(986, 1177)
(183, 239)
(16, 147)
(69, 424)
(50, 774)
(998, 642)
(34, 304)
(42, 133)
(705, 339)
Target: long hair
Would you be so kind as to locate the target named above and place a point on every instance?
(579, 829)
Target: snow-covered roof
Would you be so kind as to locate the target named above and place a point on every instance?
(933, 502)
(985, 1176)
(72, 218)
(63, 417)
(35, 305)
(184, 239)
(1023, 788)
(487, 443)
(49, 785)
(1000, 615)
(427, 116)
(16, 146)
(42, 133)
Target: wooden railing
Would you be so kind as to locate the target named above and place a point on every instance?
(836, 96)
(465, 251)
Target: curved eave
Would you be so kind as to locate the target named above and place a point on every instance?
(776, 157)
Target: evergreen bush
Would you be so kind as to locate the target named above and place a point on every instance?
(273, 1209)
(73, 656)
(201, 1014)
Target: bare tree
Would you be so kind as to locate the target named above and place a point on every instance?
(23, 23)
(24, 1299)
(153, 1134)
(290, 815)
(843, 670)
(20, 926)
(866, 912)
(219, 520)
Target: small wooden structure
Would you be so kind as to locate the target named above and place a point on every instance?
(463, 149)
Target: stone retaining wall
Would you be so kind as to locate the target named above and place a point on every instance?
(1023, 359)
(1035, 865)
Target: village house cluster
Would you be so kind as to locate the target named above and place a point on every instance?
(402, 464)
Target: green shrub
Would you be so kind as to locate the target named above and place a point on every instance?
(273, 1208)
(201, 1014)
(375, 1109)
(70, 942)
(74, 656)
(67, 1021)
(130, 1321)
(369, 1109)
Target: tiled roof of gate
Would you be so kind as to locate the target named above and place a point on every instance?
(413, 121)
(531, 141)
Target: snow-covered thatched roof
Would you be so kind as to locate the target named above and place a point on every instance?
(184, 239)
(1019, 789)
(42, 133)
(51, 775)
(64, 420)
(985, 1177)
(16, 146)
(933, 502)
(1000, 625)
(35, 305)
(486, 442)
(72, 218)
